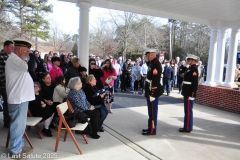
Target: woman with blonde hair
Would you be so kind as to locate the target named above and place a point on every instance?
(96, 98)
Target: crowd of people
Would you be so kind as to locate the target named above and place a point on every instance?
(58, 78)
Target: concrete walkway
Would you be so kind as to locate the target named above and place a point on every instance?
(215, 136)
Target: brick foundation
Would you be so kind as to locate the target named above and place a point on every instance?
(219, 97)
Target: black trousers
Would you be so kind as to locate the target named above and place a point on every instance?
(143, 82)
(94, 119)
(136, 85)
(124, 81)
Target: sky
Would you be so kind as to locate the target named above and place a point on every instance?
(67, 16)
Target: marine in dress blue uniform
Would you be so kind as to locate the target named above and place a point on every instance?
(153, 90)
(189, 89)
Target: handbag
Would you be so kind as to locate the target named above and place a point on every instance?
(71, 120)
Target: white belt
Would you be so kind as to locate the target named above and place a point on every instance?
(147, 80)
(185, 82)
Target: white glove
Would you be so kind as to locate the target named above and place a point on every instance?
(151, 98)
(191, 98)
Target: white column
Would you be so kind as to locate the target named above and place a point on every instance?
(83, 37)
(211, 66)
(231, 62)
(220, 56)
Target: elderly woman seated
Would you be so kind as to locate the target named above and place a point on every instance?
(78, 100)
(96, 98)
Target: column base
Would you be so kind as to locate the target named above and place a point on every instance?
(211, 84)
(230, 85)
(219, 83)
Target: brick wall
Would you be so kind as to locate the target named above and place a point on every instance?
(219, 97)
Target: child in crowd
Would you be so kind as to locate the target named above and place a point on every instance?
(83, 72)
(38, 108)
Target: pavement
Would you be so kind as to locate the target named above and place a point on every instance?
(215, 135)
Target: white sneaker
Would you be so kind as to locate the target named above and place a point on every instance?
(136, 92)
(133, 92)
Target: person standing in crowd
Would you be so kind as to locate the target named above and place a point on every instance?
(130, 77)
(69, 56)
(239, 70)
(72, 71)
(153, 90)
(117, 68)
(56, 70)
(182, 71)
(41, 65)
(189, 89)
(50, 53)
(55, 55)
(96, 71)
(143, 73)
(31, 61)
(200, 71)
(109, 75)
(237, 74)
(168, 76)
(178, 63)
(136, 76)
(205, 74)
(98, 62)
(175, 68)
(47, 60)
(8, 48)
(64, 63)
(20, 90)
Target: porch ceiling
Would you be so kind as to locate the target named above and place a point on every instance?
(224, 13)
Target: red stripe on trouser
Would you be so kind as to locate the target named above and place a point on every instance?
(188, 115)
(151, 131)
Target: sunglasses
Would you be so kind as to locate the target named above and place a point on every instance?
(93, 63)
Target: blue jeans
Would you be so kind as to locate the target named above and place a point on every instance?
(116, 82)
(18, 115)
(131, 85)
(152, 114)
(167, 82)
(104, 112)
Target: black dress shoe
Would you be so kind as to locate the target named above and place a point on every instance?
(94, 136)
(101, 130)
(144, 130)
(184, 130)
(148, 133)
(115, 90)
(47, 132)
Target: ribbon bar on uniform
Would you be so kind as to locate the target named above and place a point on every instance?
(185, 82)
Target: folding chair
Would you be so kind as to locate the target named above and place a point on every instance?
(31, 121)
(70, 110)
(61, 109)
(36, 126)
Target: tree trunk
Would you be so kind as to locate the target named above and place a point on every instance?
(21, 21)
(36, 43)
